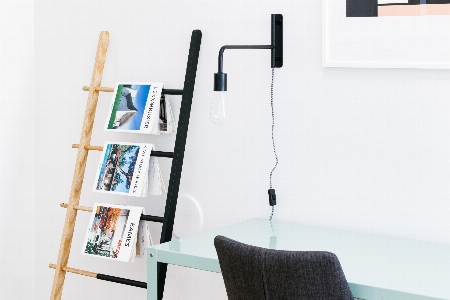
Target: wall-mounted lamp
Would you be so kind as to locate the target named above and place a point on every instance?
(220, 78)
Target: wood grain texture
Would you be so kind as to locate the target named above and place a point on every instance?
(100, 89)
(89, 147)
(80, 166)
(76, 271)
(77, 207)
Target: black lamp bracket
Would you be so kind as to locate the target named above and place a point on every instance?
(220, 78)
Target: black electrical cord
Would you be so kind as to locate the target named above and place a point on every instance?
(272, 197)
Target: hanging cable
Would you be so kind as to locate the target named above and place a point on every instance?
(271, 215)
(272, 196)
(273, 125)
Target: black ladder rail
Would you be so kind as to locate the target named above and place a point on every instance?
(178, 153)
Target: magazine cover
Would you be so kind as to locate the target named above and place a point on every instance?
(135, 108)
(112, 231)
(123, 169)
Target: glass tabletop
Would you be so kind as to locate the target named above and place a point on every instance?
(402, 265)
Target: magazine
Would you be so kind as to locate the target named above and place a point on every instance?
(144, 239)
(112, 232)
(135, 108)
(166, 119)
(156, 184)
(128, 169)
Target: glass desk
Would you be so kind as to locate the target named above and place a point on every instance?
(376, 267)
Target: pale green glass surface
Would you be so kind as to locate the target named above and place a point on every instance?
(376, 267)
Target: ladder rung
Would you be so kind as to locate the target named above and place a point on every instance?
(75, 271)
(162, 154)
(110, 90)
(89, 147)
(120, 280)
(89, 209)
(77, 207)
(135, 283)
(153, 153)
(171, 92)
(152, 218)
(99, 89)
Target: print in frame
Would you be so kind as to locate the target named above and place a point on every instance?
(386, 34)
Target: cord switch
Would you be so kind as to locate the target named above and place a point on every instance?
(272, 197)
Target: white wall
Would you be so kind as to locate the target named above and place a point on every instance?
(360, 149)
(17, 239)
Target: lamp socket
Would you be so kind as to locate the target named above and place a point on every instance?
(220, 82)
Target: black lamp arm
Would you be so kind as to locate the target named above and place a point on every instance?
(220, 78)
(239, 47)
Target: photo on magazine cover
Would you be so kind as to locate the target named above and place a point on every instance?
(107, 231)
(116, 172)
(129, 106)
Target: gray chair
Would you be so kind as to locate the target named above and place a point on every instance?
(257, 273)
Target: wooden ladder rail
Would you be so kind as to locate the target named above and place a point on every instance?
(80, 167)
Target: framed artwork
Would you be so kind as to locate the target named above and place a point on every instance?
(384, 34)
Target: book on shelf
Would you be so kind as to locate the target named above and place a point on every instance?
(140, 108)
(116, 232)
(128, 169)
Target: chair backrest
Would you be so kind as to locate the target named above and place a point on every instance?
(254, 273)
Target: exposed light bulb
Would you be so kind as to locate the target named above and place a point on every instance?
(218, 108)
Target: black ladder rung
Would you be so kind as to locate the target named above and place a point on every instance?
(161, 154)
(171, 92)
(152, 218)
(135, 283)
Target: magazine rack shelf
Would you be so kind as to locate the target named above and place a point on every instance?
(84, 147)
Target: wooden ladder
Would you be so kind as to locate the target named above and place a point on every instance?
(84, 147)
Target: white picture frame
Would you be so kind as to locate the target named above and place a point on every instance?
(383, 42)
